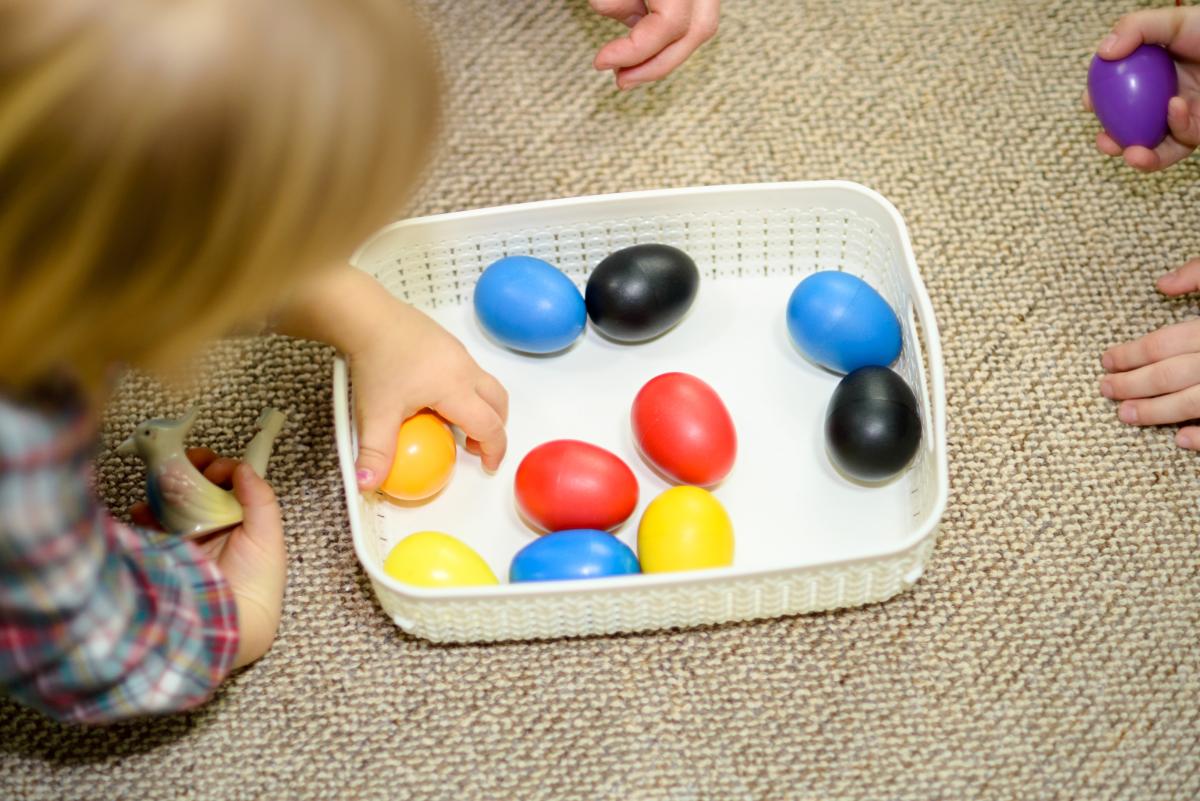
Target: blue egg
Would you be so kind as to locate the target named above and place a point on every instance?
(574, 554)
(528, 305)
(838, 321)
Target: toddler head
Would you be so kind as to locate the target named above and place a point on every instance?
(169, 167)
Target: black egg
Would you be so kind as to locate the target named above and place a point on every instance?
(873, 424)
(641, 291)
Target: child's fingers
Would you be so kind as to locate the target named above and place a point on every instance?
(220, 471)
(1173, 408)
(1164, 343)
(254, 561)
(201, 458)
(377, 441)
(262, 519)
(1152, 380)
(1182, 280)
(1151, 26)
(666, 23)
(1086, 100)
(141, 515)
(480, 422)
(1188, 437)
(495, 394)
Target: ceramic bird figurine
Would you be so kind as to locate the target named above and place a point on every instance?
(182, 499)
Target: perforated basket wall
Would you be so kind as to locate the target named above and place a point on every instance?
(730, 232)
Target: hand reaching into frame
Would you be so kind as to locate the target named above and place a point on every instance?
(662, 35)
(1178, 29)
(1156, 378)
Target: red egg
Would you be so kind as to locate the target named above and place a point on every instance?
(683, 429)
(568, 484)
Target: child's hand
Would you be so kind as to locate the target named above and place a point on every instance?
(1157, 377)
(412, 363)
(251, 556)
(401, 362)
(1179, 30)
(663, 33)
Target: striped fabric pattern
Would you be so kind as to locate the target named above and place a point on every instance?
(98, 620)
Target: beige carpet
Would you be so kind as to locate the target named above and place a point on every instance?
(1050, 651)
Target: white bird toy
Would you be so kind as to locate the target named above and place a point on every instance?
(182, 499)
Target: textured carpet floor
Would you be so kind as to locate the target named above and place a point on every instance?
(1050, 651)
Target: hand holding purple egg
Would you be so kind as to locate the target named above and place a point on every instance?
(1144, 86)
(1130, 95)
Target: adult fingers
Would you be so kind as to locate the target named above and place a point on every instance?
(1188, 437)
(666, 23)
(1150, 26)
(480, 422)
(620, 10)
(1181, 280)
(703, 28)
(1159, 378)
(1107, 145)
(1183, 118)
(1173, 408)
(1167, 153)
(1171, 340)
(658, 67)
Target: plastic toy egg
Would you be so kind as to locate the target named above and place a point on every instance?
(1130, 95)
(641, 291)
(838, 321)
(872, 425)
(424, 460)
(577, 554)
(684, 528)
(568, 484)
(434, 559)
(683, 429)
(528, 305)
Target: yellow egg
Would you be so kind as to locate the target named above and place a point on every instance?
(434, 559)
(424, 460)
(684, 528)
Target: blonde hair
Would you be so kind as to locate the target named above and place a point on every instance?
(168, 166)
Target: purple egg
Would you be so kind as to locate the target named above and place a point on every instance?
(1130, 95)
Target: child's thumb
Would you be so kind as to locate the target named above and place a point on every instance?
(254, 561)
(376, 449)
(261, 518)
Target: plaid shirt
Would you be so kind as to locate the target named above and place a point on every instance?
(98, 620)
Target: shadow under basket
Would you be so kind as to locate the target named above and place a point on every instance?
(806, 538)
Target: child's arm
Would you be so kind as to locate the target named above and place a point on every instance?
(401, 361)
(1179, 30)
(662, 34)
(99, 620)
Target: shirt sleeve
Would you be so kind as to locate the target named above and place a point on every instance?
(98, 620)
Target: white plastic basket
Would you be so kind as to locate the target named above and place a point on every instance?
(807, 539)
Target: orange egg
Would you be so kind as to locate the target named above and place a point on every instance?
(424, 460)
